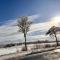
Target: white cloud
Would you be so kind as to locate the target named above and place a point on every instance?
(9, 32)
(33, 17)
(40, 26)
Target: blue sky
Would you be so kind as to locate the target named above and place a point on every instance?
(11, 9)
(38, 11)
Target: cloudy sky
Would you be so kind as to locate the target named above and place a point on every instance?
(43, 14)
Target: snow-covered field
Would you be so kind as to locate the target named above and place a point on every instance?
(15, 49)
(48, 55)
(9, 50)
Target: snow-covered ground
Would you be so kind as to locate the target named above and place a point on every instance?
(48, 55)
(9, 50)
(15, 49)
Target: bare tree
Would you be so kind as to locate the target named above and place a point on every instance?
(53, 31)
(24, 24)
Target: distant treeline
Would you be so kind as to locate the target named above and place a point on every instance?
(16, 44)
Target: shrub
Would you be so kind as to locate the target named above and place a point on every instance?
(59, 44)
(54, 45)
(23, 49)
(47, 45)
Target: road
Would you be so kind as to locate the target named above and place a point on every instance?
(50, 55)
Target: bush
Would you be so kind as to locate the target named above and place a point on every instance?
(54, 45)
(59, 44)
(9, 45)
(47, 45)
(23, 49)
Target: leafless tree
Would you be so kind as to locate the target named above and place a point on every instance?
(24, 25)
(53, 31)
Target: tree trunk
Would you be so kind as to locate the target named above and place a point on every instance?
(56, 39)
(25, 42)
